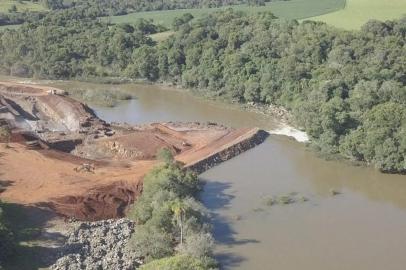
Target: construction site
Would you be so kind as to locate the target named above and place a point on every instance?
(56, 153)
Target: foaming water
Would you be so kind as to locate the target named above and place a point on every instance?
(292, 132)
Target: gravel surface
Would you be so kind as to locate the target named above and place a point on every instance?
(98, 245)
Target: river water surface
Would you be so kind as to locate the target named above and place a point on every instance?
(362, 228)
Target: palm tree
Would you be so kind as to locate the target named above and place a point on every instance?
(179, 210)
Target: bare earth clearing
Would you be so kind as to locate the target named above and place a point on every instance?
(64, 157)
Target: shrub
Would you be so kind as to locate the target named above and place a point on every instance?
(151, 242)
(165, 155)
(172, 178)
(103, 97)
(198, 245)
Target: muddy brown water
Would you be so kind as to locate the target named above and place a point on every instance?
(363, 228)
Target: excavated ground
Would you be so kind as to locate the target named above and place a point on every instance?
(63, 157)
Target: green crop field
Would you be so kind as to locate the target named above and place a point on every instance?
(5, 5)
(358, 12)
(293, 9)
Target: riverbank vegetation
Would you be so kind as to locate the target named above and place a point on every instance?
(346, 89)
(172, 229)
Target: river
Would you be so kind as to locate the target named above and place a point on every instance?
(362, 228)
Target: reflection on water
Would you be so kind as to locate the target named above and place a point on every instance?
(362, 228)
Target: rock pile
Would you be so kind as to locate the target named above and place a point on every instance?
(98, 245)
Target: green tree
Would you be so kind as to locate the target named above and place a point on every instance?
(151, 242)
(383, 129)
(145, 63)
(198, 244)
(165, 155)
(179, 211)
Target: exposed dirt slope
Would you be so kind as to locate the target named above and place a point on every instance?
(49, 177)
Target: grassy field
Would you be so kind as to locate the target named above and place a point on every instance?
(5, 5)
(293, 9)
(358, 12)
(159, 37)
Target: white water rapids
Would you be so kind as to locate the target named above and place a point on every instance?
(289, 131)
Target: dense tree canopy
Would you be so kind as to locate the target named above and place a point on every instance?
(346, 89)
(62, 47)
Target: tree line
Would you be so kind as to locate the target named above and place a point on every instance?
(345, 89)
(117, 7)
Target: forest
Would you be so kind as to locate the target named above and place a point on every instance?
(347, 90)
(116, 7)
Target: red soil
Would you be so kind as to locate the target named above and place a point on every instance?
(48, 177)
